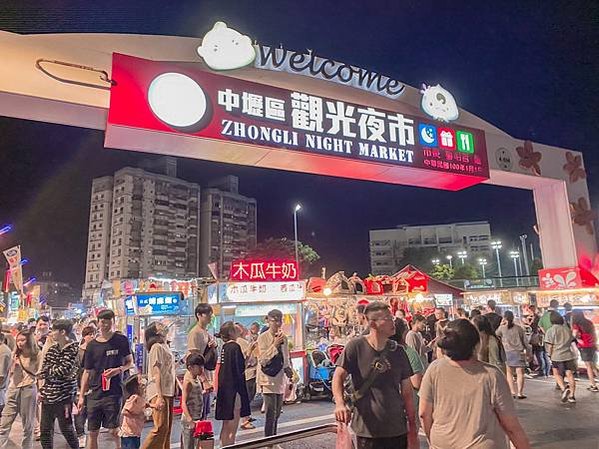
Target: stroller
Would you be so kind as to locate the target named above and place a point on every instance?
(321, 369)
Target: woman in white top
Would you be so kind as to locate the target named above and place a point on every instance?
(21, 396)
(161, 388)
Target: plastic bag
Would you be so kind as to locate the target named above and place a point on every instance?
(345, 437)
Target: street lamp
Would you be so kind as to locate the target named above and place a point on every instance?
(515, 255)
(482, 263)
(296, 209)
(462, 255)
(449, 257)
(436, 261)
(496, 245)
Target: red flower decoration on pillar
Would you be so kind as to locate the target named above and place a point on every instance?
(529, 159)
(574, 168)
(582, 215)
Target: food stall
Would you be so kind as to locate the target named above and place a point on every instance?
(577, 286)
(330, 308)
(506, 299)
(254, 288)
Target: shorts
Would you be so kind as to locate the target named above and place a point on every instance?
(103, 412)
(130, 442)
(400, 442)
(515, 359)
(562, 367)
(588, 354)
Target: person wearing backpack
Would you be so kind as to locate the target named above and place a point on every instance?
(200, 340)
(273, 366)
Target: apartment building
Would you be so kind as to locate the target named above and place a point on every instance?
(388, 245)
(228, 225)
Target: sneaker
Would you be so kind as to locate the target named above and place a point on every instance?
(82, 441)
(565, 394)
(528, 376)
(593, 388)
(572, 400)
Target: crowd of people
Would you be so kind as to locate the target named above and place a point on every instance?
(404, 372)
(460, 377)
(85, 378)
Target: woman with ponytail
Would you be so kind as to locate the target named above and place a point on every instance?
(516, 347)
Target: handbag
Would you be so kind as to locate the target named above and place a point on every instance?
(210, 357)
(350, 396)
(274, 365)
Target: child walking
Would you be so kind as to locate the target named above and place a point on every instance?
(133, 414)
(192, 399)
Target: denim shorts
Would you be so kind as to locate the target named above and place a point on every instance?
(130, 442)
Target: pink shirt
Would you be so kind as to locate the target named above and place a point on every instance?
(133, 425)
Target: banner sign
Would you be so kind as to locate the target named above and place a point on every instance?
(264, 270)
(264, 291)
(182, 99)
(13, 257)
(155, 304)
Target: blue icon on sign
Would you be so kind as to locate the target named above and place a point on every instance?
(427, 135)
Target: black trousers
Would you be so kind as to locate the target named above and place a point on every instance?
(63, 411)
(400, 442)
(80, 420)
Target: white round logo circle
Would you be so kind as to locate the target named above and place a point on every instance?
(177, 100)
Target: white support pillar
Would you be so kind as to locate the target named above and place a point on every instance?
(555, 225)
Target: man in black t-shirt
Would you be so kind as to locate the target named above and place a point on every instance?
(106, 359)
(492, 315)
(383, 414)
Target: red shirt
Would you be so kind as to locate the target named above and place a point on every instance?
(585, 340)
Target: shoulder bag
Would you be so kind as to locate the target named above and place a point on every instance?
(350, 395)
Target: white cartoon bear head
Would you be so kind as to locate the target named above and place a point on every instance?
(224, 48)
(439, 103)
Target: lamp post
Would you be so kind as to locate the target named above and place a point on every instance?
(496, 245)
(515, 255)
(482, 263)
(462, 255)
(449, 257)
(296, 209)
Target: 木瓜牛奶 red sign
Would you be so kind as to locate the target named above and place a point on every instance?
(180, 109)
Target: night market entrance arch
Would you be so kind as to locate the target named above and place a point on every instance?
(284, 110)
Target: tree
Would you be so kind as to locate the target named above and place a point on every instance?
(284, 248)
(420, 258)
(443, 272)
(537, 264)
(466, 271)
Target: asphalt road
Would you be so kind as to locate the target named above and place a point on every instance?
(549, 423)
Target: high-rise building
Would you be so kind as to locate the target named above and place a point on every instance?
(388, 245)
(228, 225)
(98, 244)
(141, 225)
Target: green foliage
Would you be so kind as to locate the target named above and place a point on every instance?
(284, 248)
(443, 272)
(466, 271)
(537, 265)
(420, 258)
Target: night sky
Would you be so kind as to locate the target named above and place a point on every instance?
(529, 68)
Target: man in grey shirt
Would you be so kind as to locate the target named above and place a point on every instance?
(5, 361)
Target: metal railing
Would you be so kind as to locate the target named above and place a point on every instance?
(285, 437)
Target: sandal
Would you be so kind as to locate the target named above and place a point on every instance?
(247, 426)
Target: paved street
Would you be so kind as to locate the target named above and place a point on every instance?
(549, 423)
